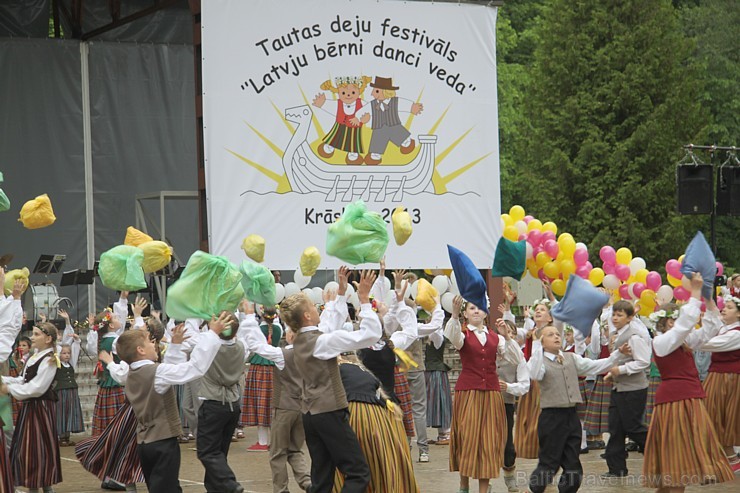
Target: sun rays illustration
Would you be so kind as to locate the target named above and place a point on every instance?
(392, 156)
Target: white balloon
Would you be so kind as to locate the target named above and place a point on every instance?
(291, 288)
(664, 294)
(453, 284)
(441, 284)
(301, 280)
(581, 245)
(446, 302)
(332, 286)
(636, 264)
(530, 252)
(610, 281)
(355, 300)
(411, 291)
(521, 226)
(279, 292)
(318, 295)
(309, 292)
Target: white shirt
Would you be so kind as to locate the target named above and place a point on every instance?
(330, 344)
(172, 354)
(11, 320)
(584, 366)
(521, 386)
(169, 374)
(726, 340)
(641, 353)
(40, 384)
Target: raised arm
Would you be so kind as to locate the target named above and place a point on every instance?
(438, 317)
(11, 320)
(120, 309)
(453, 329)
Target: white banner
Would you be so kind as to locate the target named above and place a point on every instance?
(309, 106)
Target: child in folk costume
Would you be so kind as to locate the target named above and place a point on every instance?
(722, 384)
(16, 363)
(439, 397)
(257, 401)
(514, 382)
(11, 319)
(665, 312)
(378, 426)
(105, 329)
(682, 446)
(149, 390)
(35, 437)
(558, 428)
(478, 434)
(346, 132)
(69, 410)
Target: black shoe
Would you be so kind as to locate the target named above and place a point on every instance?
(584, 450)
(596, 445)
(603, 456)
(112, 486)
(632, 446)
(620, 474)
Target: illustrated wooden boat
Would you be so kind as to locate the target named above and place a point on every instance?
(307, 172)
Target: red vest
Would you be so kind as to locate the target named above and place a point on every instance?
(726, 362)
(343, 118)
(679, 377)
(478, 363)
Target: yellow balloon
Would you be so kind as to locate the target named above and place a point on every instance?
(567, 245)
(532, 268)
(596, 276)
(680, 259)
(673, 281)
(551, 270)
(508, 221)
(534, 224)
(558, 287)
(550, 226)
(641, 275)
(567, 267)
(517, 213)
(511, 233)
(647, 297)
(624, 256)
(542, 259)
(646, 310)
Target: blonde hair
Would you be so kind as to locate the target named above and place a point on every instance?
(360, 82)
(127, 344)
(292, 309)
(389, 93)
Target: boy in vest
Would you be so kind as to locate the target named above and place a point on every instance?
(219, 411)
(331, 441)
(559, 429)
(629, 388)
(149, 390)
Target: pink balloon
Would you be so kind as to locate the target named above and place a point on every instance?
(547, 235)
(590, 266)
(673, 267)
(551, 248)
(580, 257)
(527, 219)
(608, 254)
(637, 289)
(622, 272)
(624, 291)
(583, 271)
(720, 268)
(541, 274)
(609, 267)
(681, 294)
(720, 303)
(535, 237)
(653, 280)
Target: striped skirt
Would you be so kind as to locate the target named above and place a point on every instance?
(257, 400)
(439, 399)
(682, 447)
(69, 412)
(597, 409)
(345, 138)
(34, 452)
(6, 470)
(526, 443)
(723, 405)
(403, 392)
(113, 453)
(653, 383)
(383, 443)
(478, 433)
(581, 408)
(107, 404)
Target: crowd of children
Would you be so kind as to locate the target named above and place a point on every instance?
(355, 392)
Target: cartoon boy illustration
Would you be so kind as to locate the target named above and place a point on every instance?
(345, 134)
(385, 121)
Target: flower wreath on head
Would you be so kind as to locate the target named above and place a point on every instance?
(655, 316)
(543, 301)
(734, 299)
(105, 321)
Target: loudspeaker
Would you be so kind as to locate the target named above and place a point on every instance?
(728, 191)
(695, 190)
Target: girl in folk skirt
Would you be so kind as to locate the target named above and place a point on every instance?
(16, 363)
(257, 400)
(682, 446)
(69, 411)
(439, 397)
(478, 434)
(723, 380)
(35, 436)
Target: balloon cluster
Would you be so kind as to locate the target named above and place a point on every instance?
(628, 277)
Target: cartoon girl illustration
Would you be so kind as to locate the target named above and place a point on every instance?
(345, 134)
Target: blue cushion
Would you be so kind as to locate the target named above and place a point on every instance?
(581, 305)
(699, 258)
(469, 280)
(510, 259)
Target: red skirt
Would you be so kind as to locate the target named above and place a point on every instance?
(6, 471)
(113, 454)
(34, 444)
(257, 400)
(403, 392)
(107, 404)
